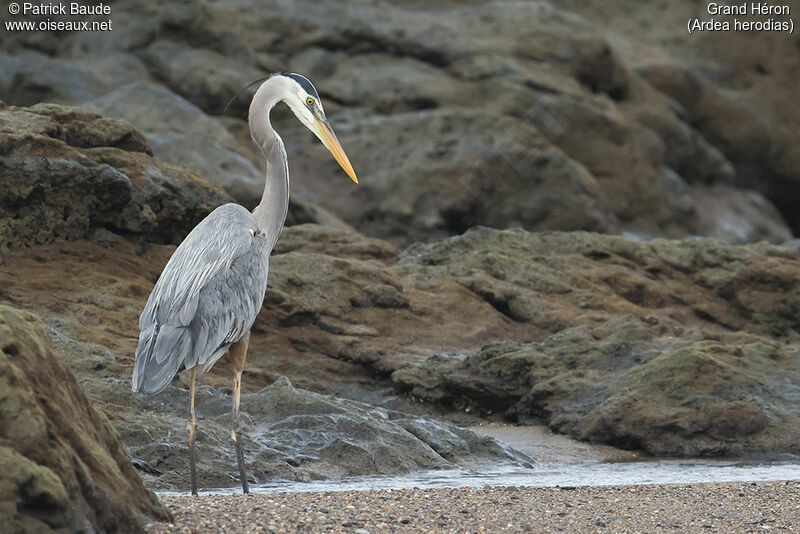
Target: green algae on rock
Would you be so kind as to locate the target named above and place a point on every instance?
(673, 347)
(63, 465)
(704, 398)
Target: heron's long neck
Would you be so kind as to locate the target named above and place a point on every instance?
(270, 214)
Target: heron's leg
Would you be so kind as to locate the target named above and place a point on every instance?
(191, 425)
(238, 353)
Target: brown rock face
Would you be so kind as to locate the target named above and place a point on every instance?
(674, 347)
(68, 173)
(64, 467)
(652, 345)
(734, 89)
(708, 398)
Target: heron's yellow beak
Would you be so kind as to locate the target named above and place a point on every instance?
(328, 138)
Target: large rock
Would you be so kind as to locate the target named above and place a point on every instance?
(293, 434)
(68, 173)
(733, 88)
(63, 466)
(180, 133)
(562, 79)
(626, 384)
(707, 398)
(677, 348)
(31, 77)
(557, 279)
(446, 176)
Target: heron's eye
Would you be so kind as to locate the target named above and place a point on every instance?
(310, 101)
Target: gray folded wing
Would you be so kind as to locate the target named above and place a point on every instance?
(200, 304)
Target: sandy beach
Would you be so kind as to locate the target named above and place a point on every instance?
(714, 507)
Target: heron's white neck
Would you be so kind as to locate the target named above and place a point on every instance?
(270, 214)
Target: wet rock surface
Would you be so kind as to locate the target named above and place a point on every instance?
(64, 467)
(705, 398)
(297, 435)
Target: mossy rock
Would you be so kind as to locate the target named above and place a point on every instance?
(63, 466)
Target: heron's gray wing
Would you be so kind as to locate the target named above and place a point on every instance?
(167, 339)
(227, 307)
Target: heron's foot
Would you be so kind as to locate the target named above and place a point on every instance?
(240, 461)
(190, 426)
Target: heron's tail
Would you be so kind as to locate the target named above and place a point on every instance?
(160, 355)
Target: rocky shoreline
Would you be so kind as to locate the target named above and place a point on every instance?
(674, 347)
(567, 217)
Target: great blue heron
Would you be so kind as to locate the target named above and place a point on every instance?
(211, 290)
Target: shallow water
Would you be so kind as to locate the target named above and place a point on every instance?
(672, 471)
(560, 461)
(652, 472)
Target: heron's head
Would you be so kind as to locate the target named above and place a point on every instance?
(304, 101)
(299, 94)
